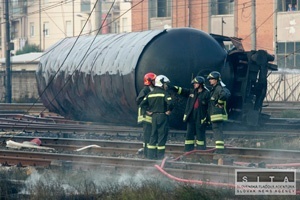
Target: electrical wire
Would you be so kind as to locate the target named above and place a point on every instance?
(104, 20)
(261, 24)
(79, 64)
(51, 80)
(203, 4)
(195, 19)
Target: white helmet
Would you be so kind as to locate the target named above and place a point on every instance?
(160, 80)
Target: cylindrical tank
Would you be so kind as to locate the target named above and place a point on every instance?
(98, 78)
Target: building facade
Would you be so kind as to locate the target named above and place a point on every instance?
(267, 24)
(45, 22)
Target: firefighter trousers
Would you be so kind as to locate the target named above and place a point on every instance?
(217, 128)
(159, 135)
(195, 128)
(147, 127)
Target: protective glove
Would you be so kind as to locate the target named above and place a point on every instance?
(219, 105)
(172, 87)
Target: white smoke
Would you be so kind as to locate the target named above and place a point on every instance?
(99, 178)
(289, 71)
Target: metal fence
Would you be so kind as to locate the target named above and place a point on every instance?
(284, 87)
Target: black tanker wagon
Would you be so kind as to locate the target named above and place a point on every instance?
(97, 78)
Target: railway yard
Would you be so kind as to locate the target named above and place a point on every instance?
(33, 142)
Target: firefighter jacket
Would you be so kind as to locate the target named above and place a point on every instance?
(197, 103)
(217, 104)
(158, 101)
(142, 115)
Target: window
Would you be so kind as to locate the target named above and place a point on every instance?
(0, 35)
(46, 28)
(160, 8)
(69, 31)
(31, 29)
(288, 5)
(125, 24)
(14, 30)
(288, 55)
(87, 28)
(222, 7)
(15, 3)
(82, 23)
(85, 6)
(17, 7)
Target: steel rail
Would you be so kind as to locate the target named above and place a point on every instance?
(131, 131)
(193, 171)
(51, 142)
(129, 149)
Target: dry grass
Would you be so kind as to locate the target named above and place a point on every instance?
(80, 185)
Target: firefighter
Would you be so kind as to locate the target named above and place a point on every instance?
(143, 117)
(195, 113)
(159, 105)
(217, 109)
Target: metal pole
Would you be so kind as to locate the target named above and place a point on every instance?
(222, 26)
(236, 14)
(7, 59)
(98, 17)
(253, 25)
(44, 33)
(40, 22)
(73, 18)
(209, 16)
(275, 31)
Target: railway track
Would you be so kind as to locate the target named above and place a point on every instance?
(27, 124)
(274, 108)
(24, 122)
(30, 119)
(130, 149)
(25, 108)
(120, 157)
(115, 156)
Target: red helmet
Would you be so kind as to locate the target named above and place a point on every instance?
(148, 78)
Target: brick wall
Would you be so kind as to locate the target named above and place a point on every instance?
(139, 15)
(195, 13)
(185, 13)
(264, 23)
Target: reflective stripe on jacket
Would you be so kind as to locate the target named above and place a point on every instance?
(142, 115)
(217, 97)
(193, 95)
(158, 101)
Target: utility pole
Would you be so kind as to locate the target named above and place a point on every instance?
(44, 34)
(7, 56)
(98, 17)
(40, 22)
(253, 25)
(73, 18)
(222, 26)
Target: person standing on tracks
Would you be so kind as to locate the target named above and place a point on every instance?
(159, 105)
(217, 108)
(143, 117)
(195, 114)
